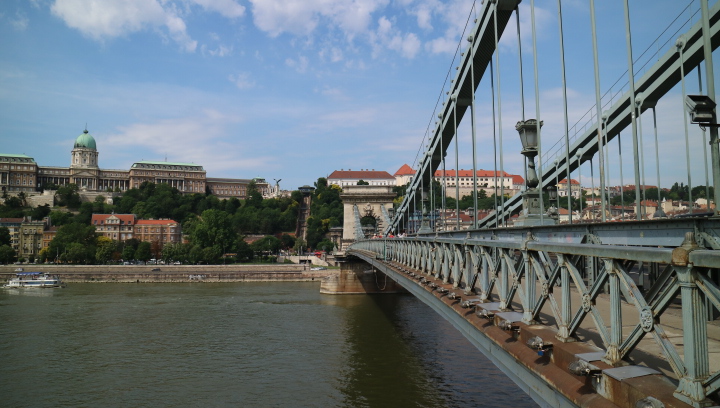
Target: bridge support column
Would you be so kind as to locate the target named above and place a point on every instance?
(692, 389)
(358, 277)
(612, 355)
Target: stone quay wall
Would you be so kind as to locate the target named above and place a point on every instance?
(172, 273)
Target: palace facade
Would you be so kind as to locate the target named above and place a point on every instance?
(20, 173)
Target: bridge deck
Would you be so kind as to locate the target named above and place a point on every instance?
(570, 390)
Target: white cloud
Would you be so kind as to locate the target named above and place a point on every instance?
(442, 45)
(301, 17)
(106, 19)
(408, 45)
(387, 36)
(220, 51)
(300, 65)
(20, 22)
(242, 80)
(98, 19)
(101, 20)
(171, 137)
(227, 8)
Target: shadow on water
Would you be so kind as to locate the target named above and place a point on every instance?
(402, 353)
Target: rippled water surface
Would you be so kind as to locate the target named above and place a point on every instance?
(236, 344)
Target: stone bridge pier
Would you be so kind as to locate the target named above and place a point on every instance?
(358, 277)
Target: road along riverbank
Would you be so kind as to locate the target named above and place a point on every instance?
(173, 273)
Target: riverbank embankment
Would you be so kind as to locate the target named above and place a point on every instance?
(173, 273)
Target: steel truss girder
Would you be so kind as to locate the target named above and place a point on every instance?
(492, 268)
(538, 389)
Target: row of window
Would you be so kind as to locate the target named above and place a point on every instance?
(21, 168)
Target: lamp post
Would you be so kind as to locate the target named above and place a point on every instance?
(530, 215)
(425, 223)
(552, 212)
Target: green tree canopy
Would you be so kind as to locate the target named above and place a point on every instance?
(5, 236)
(74, 233)
(7, 254)
(143, 252)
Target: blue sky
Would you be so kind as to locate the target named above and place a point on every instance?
(289, 89)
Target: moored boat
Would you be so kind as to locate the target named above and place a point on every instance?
(34, 280)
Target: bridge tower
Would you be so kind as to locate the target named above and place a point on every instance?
(365, 201)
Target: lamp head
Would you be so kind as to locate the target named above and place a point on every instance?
(528, 131)
(552, 192)
(701, 109)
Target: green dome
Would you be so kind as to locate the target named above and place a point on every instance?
(85, 140)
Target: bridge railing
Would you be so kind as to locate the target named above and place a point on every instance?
(565, 283)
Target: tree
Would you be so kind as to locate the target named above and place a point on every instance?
(300, 244)
(143, 252)
(44, 254)
(5, 236)
(40, 212)
(105, 249)
(254, 197)
(75, 233)
(59, 218)
(287, 241)
(325, 245)
(7, 254)
(78, 253)
(362, 183)
(244, 252)
(129, 248)
(68, 196)
(265, 245)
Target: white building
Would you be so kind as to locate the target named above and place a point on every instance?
(351, 177)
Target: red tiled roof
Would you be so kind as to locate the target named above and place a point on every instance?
(360, 174)
(517, 179)
(572, 181)
(155, 222)
(405, 170)
(99, 219)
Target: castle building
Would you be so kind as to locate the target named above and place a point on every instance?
(20, 173)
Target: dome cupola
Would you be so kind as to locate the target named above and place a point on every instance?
(85, 140)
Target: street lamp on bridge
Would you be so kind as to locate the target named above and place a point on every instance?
(529, 134)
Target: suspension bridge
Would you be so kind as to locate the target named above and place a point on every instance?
(599, 310)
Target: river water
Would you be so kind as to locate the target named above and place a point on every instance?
(236, 345)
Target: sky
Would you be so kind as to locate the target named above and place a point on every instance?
(295, 89)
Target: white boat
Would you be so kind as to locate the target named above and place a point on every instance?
(34, 280)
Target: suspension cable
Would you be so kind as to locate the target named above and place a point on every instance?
(499, 114)
(537, 108)
(598, 108)
(495, 186)
(633, 106)
(680, 44)
(622, 181)
(565, 110)
(657, 162)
